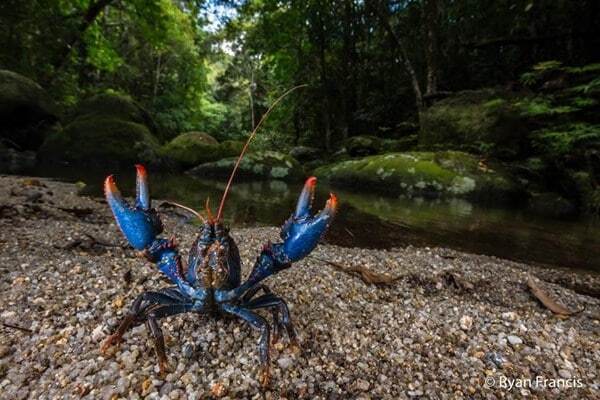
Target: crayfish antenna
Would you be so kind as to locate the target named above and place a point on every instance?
(252, 134)
(191, 210)
(211, 219)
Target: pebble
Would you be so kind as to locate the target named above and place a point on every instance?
(564, 373)
(514, 340)
(98, 333)
(362, 385)
(466, 322)
(285, 362)
(187, 350)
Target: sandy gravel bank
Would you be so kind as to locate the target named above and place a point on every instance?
(453, 325)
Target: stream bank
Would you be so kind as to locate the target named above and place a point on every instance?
(450, 321)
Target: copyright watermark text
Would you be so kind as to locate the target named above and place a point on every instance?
(539, 382)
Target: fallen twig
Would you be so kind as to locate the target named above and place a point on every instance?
(78, 212)
(88, 244)
(546, 300)
(367, 276)
(19, 328)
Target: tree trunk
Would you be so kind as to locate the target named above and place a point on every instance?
(431, 14)
(251, 94)
(349, 68)
(324, 78)
(403, 55)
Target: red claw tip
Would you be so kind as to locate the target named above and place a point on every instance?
(333, 201)
(109, 184)
(140, 169)
(312, 181)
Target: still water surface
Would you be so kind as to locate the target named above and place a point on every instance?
(368, 220)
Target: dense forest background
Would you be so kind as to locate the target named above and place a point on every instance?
(378, 70)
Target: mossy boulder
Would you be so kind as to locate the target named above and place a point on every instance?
(406, 143)
(114, 133)
(587, 191)
(258, 165)
(194, 148)
(115, 106)
(101, 141)
(427, 174)
(26, 112)
(551, 204)
(482, 121)
(363, 145)
(306, 153)
(15, 162)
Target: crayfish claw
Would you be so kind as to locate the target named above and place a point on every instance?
(302, 232)
(305, 200)
(142, 195)
(140, 223)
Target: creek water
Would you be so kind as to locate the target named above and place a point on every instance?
(368, 220)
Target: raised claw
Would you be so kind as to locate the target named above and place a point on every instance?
(302, 232)
(140, 224)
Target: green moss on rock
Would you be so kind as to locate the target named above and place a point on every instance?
(193, 148)
(112, 105)
(430, 174)
(483, 121)
(363, 145)
(108, 129)
(102, 140)
(257, 165)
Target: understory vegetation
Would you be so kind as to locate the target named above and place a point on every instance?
(178, 84)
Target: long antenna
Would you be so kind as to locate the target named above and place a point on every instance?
(196, 213)
(237, 163)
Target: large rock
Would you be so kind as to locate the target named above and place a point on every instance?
(428, 174)
(551, 205)
(114, 134)
(15, 162)
(115, 106)
(194, 148)
(363, 145)
(306, 153)
(482, 121)
(257, 165)
(26, 112)
(587, 191)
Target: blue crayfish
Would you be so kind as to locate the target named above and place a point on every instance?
(210, 283)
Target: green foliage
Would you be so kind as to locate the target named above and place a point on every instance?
(542, 106)
(567, 140)
(586, 69)
(100, 52)
(529, 79)
(588, 88)
(547, 66)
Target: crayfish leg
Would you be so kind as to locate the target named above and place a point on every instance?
(264, 376)
(117, 337)
(159, 345)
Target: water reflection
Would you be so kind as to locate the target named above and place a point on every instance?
(368, 220)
